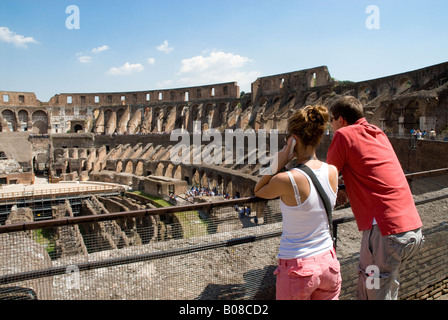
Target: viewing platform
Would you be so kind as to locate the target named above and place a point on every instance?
(42, 196)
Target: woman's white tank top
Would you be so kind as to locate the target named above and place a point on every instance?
(305, 226)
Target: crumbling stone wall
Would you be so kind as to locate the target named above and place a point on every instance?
(395, 103)
(100, 236)
(69, 240)
(20, 215)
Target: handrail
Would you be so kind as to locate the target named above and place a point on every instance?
(148, 212)
(120, 215)
(429, 173)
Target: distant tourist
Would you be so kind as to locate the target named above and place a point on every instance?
(419, 134)
(432, 134)
(380, 198)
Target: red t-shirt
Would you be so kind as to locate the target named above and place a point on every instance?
(374, 179)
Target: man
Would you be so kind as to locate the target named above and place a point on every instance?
(380, 198)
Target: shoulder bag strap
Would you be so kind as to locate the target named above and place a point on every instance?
(322, 194)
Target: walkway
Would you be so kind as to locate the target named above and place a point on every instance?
(57, 189)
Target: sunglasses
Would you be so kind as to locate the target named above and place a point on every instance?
(332, 117)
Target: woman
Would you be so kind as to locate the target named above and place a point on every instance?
(307, 267)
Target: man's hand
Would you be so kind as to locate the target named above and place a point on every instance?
(342, 198)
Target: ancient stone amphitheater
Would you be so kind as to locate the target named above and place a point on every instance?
(126, 139)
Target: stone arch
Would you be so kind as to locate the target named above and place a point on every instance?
(177, 172)
(211, 182)
(291, 97)
(309, 97)
(384, 88)
(139, 169)
(158, 119)
(40, 122)
(129, 167)
(10, 119)
(146, 125)
(195, 115)
(412, 115)
(121, 123)
(219, 183)
(98, 115)
(23, 115)
(405, 83)
(170, 119)
(220, 117)
(234, 105)
(135, 121)
(262, 102)
(78, 128)
(169, 170)
(159, 169)
(195, 178)
(208, 116)
(110, 121)
(389, 118)
(203, 178)
(179, 120)
(364, 92)
(119, 167)
(23, 119)
(228, 186)
(84, 165)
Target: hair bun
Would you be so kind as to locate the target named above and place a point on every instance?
(317, 114)
(309, 124)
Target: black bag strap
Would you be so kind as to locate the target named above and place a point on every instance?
(322, 194)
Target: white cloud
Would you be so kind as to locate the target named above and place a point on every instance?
(100, 49)
(126, 69)
(151, 61)
(164, 47)
(85, 59)
(18, 40)
(217, 67)
(216, 60)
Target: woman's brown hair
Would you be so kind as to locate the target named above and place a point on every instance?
(309, 124)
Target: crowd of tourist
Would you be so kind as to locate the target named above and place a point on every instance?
(418, 134)
(195, 191)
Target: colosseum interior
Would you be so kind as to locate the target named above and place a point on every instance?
(125, 138)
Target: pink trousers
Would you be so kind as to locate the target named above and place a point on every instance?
(313, 278)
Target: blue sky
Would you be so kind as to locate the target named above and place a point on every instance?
(136, 45)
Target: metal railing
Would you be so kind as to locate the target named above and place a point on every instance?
(208, 250)
(182, 232)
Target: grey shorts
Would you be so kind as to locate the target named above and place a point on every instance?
(380, 260)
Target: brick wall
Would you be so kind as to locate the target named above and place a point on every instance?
(426, 276)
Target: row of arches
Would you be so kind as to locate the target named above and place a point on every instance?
(412, 113)
(199, 176)
(158, 119)
(24, 120)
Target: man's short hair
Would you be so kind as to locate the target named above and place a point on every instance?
(349, 108)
